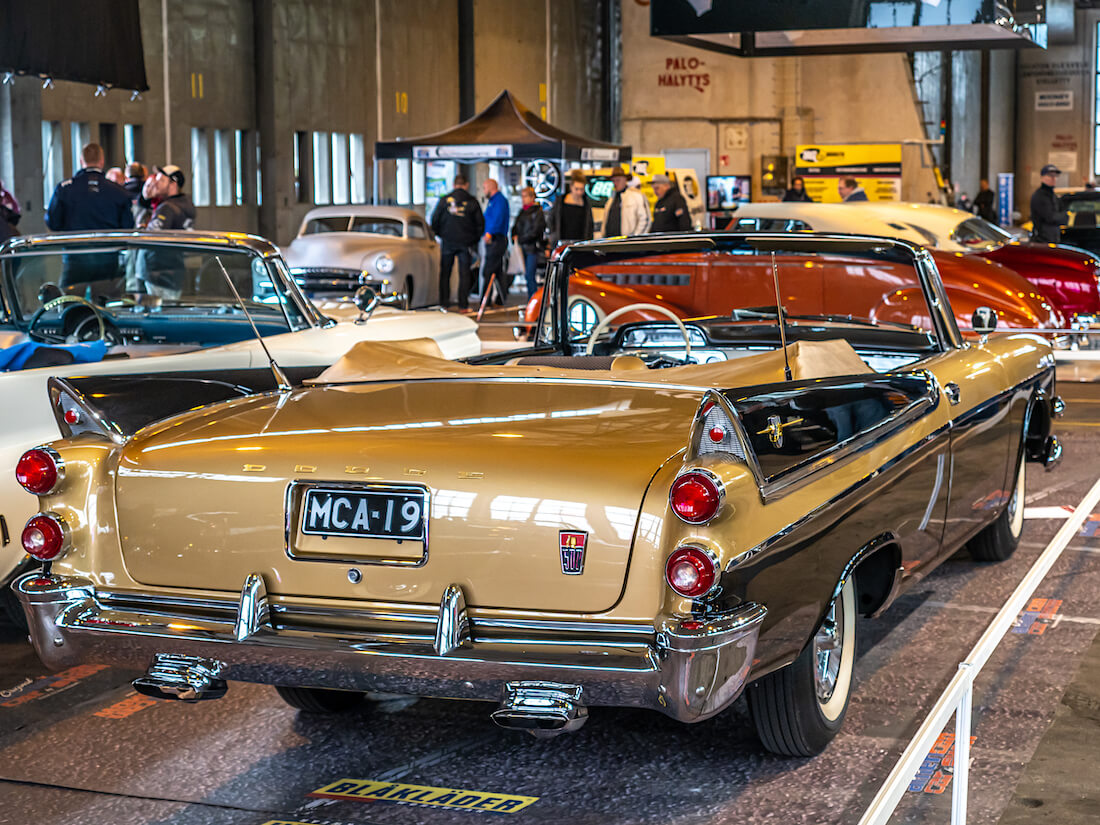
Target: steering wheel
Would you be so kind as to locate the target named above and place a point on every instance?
(602, 325)
(48, 338)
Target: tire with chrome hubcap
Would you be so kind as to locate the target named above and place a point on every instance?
(998, 541)
(798, 710)
(320, 700)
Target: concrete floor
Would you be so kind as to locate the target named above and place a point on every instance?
(82, 747)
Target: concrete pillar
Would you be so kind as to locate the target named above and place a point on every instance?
(21, 149)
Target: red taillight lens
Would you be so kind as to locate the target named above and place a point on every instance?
(44, 536)
(695, 497)
(691, 572)
(38, 471)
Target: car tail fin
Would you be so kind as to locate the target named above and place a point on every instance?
(715, 429)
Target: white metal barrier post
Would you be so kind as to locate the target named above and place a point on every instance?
(957, 697)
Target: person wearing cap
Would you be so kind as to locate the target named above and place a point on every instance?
(1047, 218)
(172, 208)
(670, 212)
(161, 271)
(88, 201)
(627, 211)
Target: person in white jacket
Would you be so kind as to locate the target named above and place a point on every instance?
(627, 211)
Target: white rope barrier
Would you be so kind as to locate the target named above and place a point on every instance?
(956, 697)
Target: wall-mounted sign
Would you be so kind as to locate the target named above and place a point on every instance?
(1047, 101)
(599, 153)
(689, 72)
(875, 166)
(470, 151)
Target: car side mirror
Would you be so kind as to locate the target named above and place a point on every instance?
(984, 320)
(367, 300)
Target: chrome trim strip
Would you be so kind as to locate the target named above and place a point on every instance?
(790, 528)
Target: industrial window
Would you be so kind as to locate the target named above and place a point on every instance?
(80, 136)
(339, 168)
(200, 168)
(322, 169)
(1096, 107)
(238, 167)
(301, 167)
(133, 150)
(223, 167)
(358, 165)
(53, 169)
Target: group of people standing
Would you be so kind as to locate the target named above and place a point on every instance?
(461, 225)
(91, 200)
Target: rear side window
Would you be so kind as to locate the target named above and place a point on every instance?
(377, 226)
(333, 224)
(417, 230)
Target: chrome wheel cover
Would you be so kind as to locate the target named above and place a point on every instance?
(829, 650)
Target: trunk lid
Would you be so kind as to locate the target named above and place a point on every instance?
(203, 499)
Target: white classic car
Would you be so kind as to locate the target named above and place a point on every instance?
(94, 304)
(390, 249)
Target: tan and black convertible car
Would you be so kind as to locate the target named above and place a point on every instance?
(659, 514)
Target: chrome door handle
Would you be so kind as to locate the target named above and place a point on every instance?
(951, 390)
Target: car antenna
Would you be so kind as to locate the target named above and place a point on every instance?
(782, 319)
(281, 381)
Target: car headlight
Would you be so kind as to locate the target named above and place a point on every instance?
(384, 264)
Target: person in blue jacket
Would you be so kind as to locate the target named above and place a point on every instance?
(496, 239)
(88, 201)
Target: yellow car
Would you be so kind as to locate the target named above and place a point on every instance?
(655, 513)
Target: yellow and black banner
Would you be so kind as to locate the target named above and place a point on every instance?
(367, 790)
(876, 167)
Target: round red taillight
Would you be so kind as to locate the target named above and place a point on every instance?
(72, 416)
(44, 537)
(696, 496)
(39, 471)
(691, 571)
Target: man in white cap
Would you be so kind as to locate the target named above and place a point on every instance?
(1047, 217)
(627, 211)
(670, 213)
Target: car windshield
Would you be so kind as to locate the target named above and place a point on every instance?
(365, 224)
(151, 292)
(831, 293)
(979, 234)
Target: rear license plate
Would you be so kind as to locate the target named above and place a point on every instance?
(370, 512)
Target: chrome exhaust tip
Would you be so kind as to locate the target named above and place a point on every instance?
(543, 709)
(186, 678)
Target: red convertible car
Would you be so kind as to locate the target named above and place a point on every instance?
(680, 286)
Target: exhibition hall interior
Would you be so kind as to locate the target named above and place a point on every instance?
(610, 412)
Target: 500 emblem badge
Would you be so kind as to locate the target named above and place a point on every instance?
(573, 544)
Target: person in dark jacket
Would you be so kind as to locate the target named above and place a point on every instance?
(571, 215)
(529, 231)
(670, 213)
(797, 192)
(161, 270)
(984, 205)
(1047, 217)
(88, 201)
(9, 214)
(458, 222)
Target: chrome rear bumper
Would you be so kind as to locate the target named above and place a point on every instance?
(689, 670)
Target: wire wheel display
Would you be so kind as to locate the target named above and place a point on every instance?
(545, 178)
